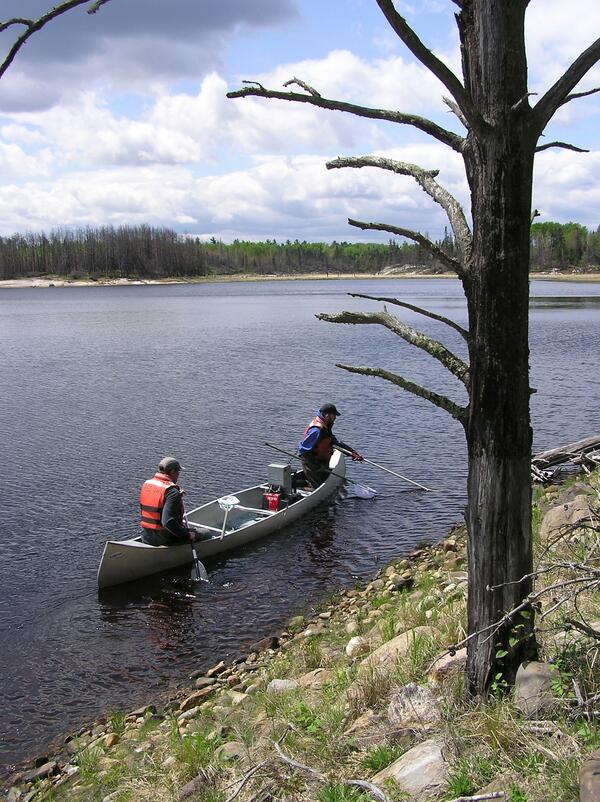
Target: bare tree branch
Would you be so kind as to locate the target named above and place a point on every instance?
(564, 145)
(558, 94)
(15, 21)
(298, 766)
(255, 83)
(440, 318)
(457, 412)
(453, 264)
(428, 126)
(453, 106)
(522, 102)
(437, 67)
(371, 789)
(576, 95)
(592, 633)
(242, 782)
(304, 86)
(426, 180)
(96, 6)
(32, 26)
(433, 347)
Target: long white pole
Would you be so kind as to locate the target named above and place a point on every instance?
(388, 470)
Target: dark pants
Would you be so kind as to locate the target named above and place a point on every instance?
(315, 470)
(154, 538)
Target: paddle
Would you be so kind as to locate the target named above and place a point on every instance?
(365, 492)
(199, 573)
(387, 470)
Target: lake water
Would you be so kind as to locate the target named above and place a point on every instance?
(98, 383)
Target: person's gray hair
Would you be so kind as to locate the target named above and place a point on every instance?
(168, 464)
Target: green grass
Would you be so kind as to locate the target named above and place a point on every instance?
(341, 793)
(116, 722)
(381, 757)
(87, 760)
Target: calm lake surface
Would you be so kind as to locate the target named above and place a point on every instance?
(98, 383)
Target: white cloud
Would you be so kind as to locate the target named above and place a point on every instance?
(567, 187)
(127, 44)
(254, 168)
(556, 34)
(278, 197)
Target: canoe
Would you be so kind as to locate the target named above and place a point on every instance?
(246, 521)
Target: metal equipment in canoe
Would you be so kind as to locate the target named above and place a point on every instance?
(222, 526)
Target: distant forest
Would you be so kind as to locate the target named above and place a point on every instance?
(151, 253)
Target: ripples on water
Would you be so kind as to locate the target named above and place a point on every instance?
(99, 383)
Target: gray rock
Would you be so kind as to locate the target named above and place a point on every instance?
(420, 773)
(193, 789)
(564, 515)
(204, 682)
(216, 670)
(449, 667)
(315, 679)
(236, 697)
(265, 644)
(281, 685)
(42, 771)
(367, 730)
(232, 750)
(386, 655)
(414, 707)
(533, 690)
(355, 646)
(141, 711)
(589, 779)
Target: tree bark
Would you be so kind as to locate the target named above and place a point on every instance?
(499, 162)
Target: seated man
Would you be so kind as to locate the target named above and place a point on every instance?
(316, 447)
(161, 507)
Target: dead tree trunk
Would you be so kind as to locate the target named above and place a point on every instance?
(499, 162)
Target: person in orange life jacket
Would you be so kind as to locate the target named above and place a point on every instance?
(316, 446)
(161, 507)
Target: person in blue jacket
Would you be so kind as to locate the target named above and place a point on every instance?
(316, 447)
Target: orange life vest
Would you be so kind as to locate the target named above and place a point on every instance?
(324, 448)
(152, 501)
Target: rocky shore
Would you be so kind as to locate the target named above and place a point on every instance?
(365, 699)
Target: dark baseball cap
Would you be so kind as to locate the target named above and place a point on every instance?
(169, 464)
(329, 409)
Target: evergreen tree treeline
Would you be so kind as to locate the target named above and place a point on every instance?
(148, 252)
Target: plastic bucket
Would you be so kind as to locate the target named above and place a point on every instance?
(272, 501)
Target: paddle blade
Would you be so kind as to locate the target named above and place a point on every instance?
(359, 491)
(199, 573)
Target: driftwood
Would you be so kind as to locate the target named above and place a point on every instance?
(584, 452)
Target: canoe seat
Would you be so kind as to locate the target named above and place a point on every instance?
(255, 510)
(193, 525)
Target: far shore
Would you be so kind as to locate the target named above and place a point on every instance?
(56, 281)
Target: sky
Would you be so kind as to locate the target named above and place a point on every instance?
(121, 118)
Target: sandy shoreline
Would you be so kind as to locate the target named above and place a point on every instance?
(50, 281)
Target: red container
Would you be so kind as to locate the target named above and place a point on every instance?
(272, 501)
